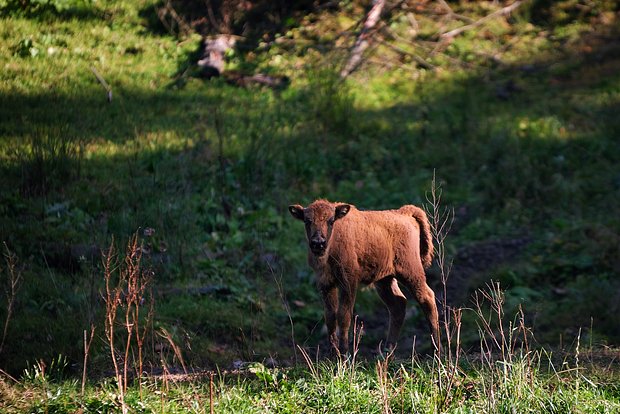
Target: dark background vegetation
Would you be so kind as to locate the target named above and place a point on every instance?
(517, 119)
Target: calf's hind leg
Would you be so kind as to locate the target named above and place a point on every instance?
(415, 280)
(396, 302)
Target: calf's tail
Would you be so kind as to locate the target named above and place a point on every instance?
(426, 238)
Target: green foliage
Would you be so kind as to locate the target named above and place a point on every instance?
(39, 8)
(527, 386)
(25, 48)
(42, 372)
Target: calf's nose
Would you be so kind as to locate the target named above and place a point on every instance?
(318, 242)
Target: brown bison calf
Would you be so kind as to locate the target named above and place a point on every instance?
(348, 246)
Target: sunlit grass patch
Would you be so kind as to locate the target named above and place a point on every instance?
(530, 384)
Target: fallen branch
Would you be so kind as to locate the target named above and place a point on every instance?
(501, 12)
(103, 83)
(451, 13)
(6, 374)
(87, 344)
(363, 41)
(168, 10)
(275, 82)
(416, 58)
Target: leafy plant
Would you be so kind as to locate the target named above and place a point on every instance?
(26, 48)
(42, 372)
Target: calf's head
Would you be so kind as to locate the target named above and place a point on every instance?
(319, 218)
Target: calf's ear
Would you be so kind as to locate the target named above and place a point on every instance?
(342, 210)
(296, 211)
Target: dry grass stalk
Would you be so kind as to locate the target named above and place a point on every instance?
(211, 393)
(163, 332)
(14, 280)
(125, 289)
(504, 346)
(384, 381)
(286, 306)
(113, 301)
(138, 281)
(441, 220)
(87, 343)
(311, 366)
(141, 335)
(166, 386)
(358, 331)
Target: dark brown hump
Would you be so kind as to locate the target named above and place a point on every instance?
(426, 238)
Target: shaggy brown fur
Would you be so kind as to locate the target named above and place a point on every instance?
(348, 246)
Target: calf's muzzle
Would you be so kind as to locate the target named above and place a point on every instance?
(318, 244)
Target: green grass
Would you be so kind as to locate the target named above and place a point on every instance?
(525, 148)
(528, 385)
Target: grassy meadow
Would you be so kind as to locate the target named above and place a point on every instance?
(156, 181)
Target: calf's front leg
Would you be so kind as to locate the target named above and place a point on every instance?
(345, 314)
(329, 295)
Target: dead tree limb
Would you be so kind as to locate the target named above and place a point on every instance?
(103, 83)
(363, 40)
(451, 12)
(501, 12)
(415, 57)
(167, 10)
